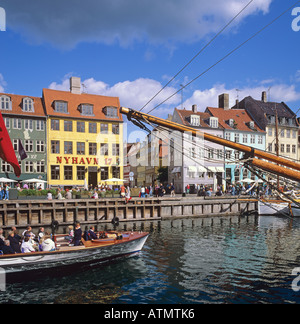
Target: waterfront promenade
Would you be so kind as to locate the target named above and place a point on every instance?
(20, 213)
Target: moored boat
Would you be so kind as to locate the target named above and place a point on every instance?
(123, 244)
(295, 209)
(273, 207)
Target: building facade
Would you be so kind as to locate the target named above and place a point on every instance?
(25, 121)
(238, 127)
(194, 161)
(265, 113)
(85, 136)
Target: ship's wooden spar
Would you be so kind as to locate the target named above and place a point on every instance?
(280, 168)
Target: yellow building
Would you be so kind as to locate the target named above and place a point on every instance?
(84, 136)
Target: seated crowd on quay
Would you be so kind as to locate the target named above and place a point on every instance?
(29, 242)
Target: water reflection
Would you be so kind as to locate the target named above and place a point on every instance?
(208, 260)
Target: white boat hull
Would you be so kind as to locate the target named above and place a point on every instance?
(47, 260)
(273, 208)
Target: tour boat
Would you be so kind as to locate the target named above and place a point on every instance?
(115, 245)
(273, 207)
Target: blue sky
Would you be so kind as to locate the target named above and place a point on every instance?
(132, 48)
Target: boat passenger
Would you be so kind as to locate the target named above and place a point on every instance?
(26, 246)
(47, 245)
(70, 237)
(41, 233)
(92, 234)
(14, 241)
(29, 229)
(77, 235)
(2, 238)
(6, 248)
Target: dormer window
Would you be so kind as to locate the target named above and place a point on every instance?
(251, 124)
(5, 103)
(231, 122)
(111, 112)
(195, 120)
(214, 122)
(28, 105)
(61, 107)
(86, 109)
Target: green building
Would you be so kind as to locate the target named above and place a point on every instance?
(25, 121)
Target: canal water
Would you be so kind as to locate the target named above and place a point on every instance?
(190, 261)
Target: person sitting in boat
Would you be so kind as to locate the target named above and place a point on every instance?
(6, 248)
(92, 234)
(47, 245)
(70, 237)
(77, 234)
(29, 229)
(26, 246)
(15, 242)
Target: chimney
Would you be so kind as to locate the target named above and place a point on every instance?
(195, 109)
(75, 85)
(224, 101)
(264, 97)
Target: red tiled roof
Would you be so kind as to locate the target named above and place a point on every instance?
(17, 105)
(204, 117)
(75, 100)
(240, 117)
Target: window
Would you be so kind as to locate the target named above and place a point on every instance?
(68, 147)
(270, 131)
(111, 112)
(68, 172)
(87, 110)
(195, 120)
(81, 127)
(237, 138)
(93, 128)
(92, 148)
(228, 154)
(210, 153)
(55, 147)
(5, 167)
(288, 148)
(61, 107)
(282, 133)
(116, 149)
(40, 146)
(214, 122)
(40, 167)
(260, 139)
(28, 105)
(40, 125)
(55, 170)
(252, 139)
(28, 145)
(104, 128)
(228, 136)
(294, 134)
(68, 126)
(104, 173)
(116, 129)
(5, 103)
(116, 172)
(55, 124)
(17, 123)
(80, 173)
(245, 138)
(16, 145)
(80, 148)
(282, 148)
(104, 149)
(28, 124)
(288, 133)
(294, 149)
(270, 147)
(7, 122)
(28, 167)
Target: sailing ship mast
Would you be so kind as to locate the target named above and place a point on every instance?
(273, 164)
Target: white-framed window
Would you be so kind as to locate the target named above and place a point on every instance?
(5, 103)
(40, 146)
(17, 123)
(28, 124)
(28, 145)
(214, 122)
(260, 139)
(61, 107)
(252, 139)
(245, 138)
(40, 125)
(28, 105)
(16, 145)
(7, 122)
(237, 137)
(28, 167)
(228, 136)
(40, 166)
(6, 167)
(270, 131)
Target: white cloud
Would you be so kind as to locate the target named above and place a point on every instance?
(69, 22)
(133, 94)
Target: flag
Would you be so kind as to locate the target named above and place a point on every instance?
(22, 152)
(7, 152)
